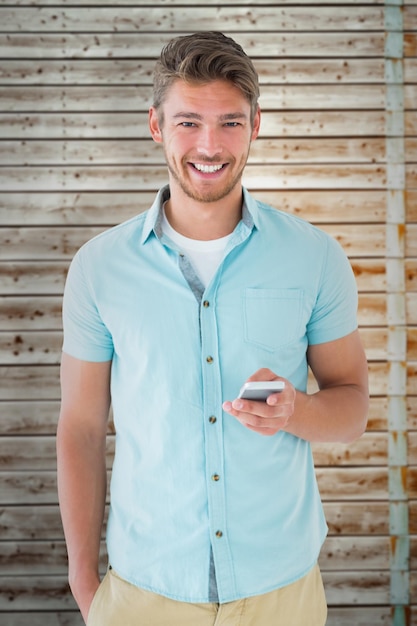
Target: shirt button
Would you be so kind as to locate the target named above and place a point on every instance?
(212, 419)
(219, 534)
(215, 477)
(206, 304)
(209, 359)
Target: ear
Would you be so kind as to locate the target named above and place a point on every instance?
(256, 124)
(154, 127)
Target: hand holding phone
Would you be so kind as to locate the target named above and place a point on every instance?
(260, 390)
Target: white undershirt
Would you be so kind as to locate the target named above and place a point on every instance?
(204, 256)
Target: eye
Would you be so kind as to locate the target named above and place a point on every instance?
(232, 124)
(187, 124)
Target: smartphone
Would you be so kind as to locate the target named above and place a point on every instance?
(260, 390)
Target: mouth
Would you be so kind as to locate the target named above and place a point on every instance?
(208, 169)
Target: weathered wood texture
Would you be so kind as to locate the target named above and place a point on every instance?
(76, 158)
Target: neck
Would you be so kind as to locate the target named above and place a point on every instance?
(203, 220)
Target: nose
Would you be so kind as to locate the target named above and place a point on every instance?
(209, 142)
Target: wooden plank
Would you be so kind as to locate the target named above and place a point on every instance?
(131, 72)
(410, 44)
(410, 16)
(340, 484)
(410, 70)
(355, 238)
(36, 453)
(411, 176)
(370, 274)
(107, 209)
(410, 97)
(61, 243)
(411, 275)
(173, 3)
(370, 449)
(412, 344)
(22, 278)
(411, 308)
(353, 483)
(50, 557)
(151, 178)
(38, 558)
(41, 618)
(337, 616)
(81, 209)
(39, 453)
(412, 413)
(359, 616)
(134, 125)
(365, 616)
(44, 346)
(411, 372)
(135, 19)
(128, 45)
(128, 98)
(20, 417)
(410, 198)
(28, 488)
(41, 382)
(70, 99)
(30, 382)
(30, 313)
(372, 310)
(43, 522)
(411, 240)
(378, 413)
(40, 593)
(44, 243)
(22, 313)
(52, 593)
(40, 523)
(360, 588)
(378, 410)
(355, 553)
(410, 149)
(30, 417)
(410, 122)
(41, 347)
(147, 152)
(357, 518)
(413, 517)
(376, 344)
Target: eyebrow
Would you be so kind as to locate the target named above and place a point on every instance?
(222, 118)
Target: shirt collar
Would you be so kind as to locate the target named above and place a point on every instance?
(250, 214)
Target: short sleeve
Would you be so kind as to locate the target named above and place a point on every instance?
(335, 311)
(86, 337)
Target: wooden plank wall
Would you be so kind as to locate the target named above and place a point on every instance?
(75, 158)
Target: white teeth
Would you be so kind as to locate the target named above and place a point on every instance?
(207, 169)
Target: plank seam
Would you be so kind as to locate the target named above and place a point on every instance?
(396, 307)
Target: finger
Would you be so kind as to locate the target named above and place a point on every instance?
(261, 409)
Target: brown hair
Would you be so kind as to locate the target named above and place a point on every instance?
(201, 58)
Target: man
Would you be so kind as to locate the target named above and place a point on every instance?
(215, 514)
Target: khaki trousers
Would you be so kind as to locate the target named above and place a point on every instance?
(118, 603)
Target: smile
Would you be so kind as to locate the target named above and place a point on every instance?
(207, 169)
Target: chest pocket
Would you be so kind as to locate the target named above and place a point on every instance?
(272, 317)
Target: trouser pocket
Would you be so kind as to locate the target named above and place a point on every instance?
(97, 610)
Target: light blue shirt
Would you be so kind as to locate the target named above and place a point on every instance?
(196, 498)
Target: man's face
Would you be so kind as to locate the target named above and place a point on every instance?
(206, 135)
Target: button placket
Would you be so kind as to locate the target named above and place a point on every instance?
(214, 450)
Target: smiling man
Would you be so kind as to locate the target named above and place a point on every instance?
(215, 515)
